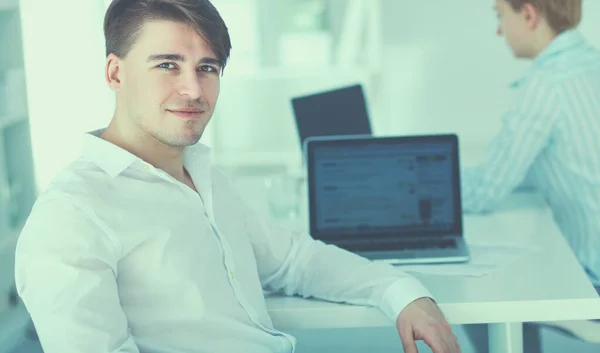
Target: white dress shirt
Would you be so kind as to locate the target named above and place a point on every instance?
(118, 256)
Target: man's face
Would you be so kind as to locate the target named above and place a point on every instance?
(169, 84)
(515, 26)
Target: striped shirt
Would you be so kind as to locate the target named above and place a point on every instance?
(550, 140)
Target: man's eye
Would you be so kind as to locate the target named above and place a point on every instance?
(208, 68)
(167, 66)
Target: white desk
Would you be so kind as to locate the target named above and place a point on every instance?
(547, 286)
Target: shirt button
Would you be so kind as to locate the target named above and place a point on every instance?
(231, 274)
(146, 167)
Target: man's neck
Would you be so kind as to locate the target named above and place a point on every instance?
(149, 149)
(543, 40)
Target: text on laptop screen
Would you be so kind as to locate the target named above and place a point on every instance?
(404, 186)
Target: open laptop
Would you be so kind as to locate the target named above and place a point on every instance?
(394, 199)
(341, 111)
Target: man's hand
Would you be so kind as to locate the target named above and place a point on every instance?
(423, 320)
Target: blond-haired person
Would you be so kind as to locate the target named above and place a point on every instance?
(549, 139)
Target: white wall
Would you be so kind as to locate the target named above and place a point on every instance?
(448, 71)
(64, 63)
(254, 114)
(445, 71)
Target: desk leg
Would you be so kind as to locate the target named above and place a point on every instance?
(506, 338)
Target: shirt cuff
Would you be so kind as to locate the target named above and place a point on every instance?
(401, 293)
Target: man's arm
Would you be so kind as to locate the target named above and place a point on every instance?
(526, 132)
(295, 263)
(65, 270)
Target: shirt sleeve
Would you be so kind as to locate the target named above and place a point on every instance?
(65, 271)
(526, 131)
(297, 264)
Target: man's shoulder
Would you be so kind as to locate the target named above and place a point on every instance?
(65, 213)
(80, 176)
(78, 198)
(576, 64)
(80, 184)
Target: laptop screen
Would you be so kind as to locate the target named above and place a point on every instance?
(341, 111)
(391, 185)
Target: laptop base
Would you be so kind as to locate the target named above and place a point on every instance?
(458, 254)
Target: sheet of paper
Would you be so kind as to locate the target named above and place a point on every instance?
(484, 260)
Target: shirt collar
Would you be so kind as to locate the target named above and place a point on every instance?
(114, 160)
(565, 41)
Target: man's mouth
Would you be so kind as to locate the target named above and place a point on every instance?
(187, 113)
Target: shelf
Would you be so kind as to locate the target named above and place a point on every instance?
(6, 122)
(7, 6)
(10, 38)
(8, 242)
(13, 326)
(471, 153)
(259, 162)
(15, 165)
(10, 239)
(295, 73)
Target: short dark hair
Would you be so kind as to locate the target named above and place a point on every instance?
(124, 20)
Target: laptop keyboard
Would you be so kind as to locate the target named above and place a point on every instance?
(400, 244)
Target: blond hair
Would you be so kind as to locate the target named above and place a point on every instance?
(561, 15)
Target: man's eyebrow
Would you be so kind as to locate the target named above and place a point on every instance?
(211, 61)
(181, 58)
(165, 57)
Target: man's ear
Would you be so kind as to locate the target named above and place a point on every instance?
(532, 15)
(113, 71)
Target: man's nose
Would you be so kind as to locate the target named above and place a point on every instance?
(191, 86)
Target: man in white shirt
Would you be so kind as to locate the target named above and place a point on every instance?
(141, 246)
